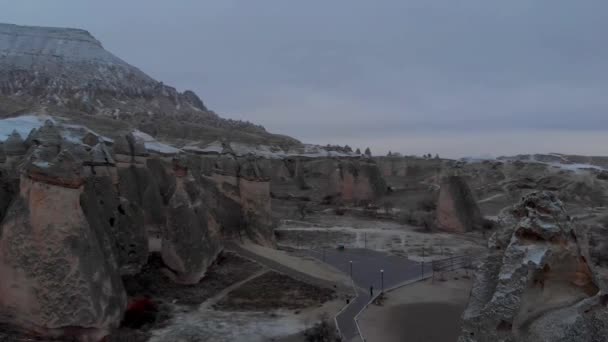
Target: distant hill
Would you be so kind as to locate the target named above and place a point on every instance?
(67, 72)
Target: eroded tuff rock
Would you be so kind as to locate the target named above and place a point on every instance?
(77, 217)
(334, 180)
(58, 276)
(457, 210)
(190, 240)
(537, 283)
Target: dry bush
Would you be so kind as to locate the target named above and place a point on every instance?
(428, 204)
(418, 218)
(488, 224)
(322, 331)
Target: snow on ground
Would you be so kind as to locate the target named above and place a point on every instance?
(269, 152)
(155, 145)
(213, 148)
(535, 254)
(272, 152)
(220, 326)
(574, 167)
(403, 240)
(25, 123)
(22, 124)
(559, 161)
(258, 150)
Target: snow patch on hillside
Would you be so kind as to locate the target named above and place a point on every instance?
(22, 124)
(154, 145)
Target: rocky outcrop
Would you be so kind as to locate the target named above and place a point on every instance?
(330, 180)
(14, 145)
(78, 216)
(457, 210)
(58, 274)
(400, 171)
(537, 283)
(189, 245)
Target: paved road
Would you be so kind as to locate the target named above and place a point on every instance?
(366, 266)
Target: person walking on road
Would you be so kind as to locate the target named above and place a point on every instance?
(371, 290)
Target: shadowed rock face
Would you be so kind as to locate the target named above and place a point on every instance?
(345, 180)
(457, 210)
(537, 283)
(189, 246)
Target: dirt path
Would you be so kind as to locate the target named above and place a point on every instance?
(294, 270)
(493, 197)
(209, 302)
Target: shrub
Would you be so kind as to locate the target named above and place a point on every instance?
(418, 218)
(427, 204)
(322, 331)
(488, 224)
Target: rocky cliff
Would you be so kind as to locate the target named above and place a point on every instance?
(542, 281)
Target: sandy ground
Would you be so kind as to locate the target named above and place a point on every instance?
(427, 311)
(394, 238)
(310, 266)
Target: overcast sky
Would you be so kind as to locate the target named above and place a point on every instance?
(454, 77)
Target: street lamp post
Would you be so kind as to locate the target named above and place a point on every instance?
(382, 280)
(351, 269)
